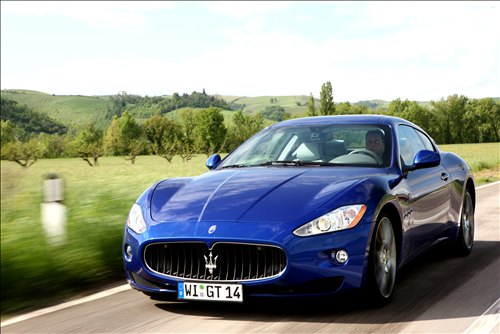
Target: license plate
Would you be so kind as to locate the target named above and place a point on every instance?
(210, 291)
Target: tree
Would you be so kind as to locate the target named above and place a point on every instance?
(343, 108)
(9, 132)
(451, 116)
(346, 108)
(136, 147)
(24, 154)
(55, 146)
(123, 137)
(490, 113)
(163, 136)
(14, 149)
(243, 127)
(210, 132)
(413, 112)
(89, 144)
(187, 122)
(483, 116)
(118, 104)
(326, 105)
(275, 113)
(311, 108)
(358, 109)
(112, 144)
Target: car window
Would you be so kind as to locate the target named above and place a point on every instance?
(426, 141)
(318, 143)
(263, 148)
(410, 142)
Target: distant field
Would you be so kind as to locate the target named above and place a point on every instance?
(484, 159)
(292, 104)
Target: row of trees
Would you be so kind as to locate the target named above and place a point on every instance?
(162, 104)
(455, 120)
(195, 131)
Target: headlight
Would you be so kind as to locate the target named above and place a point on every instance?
(339, 219)
(135, 221)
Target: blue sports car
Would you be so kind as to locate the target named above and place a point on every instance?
(306, 207)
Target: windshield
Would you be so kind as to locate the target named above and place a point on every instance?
(320, 145)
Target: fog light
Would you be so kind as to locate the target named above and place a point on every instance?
(342, 256)
(128, 252)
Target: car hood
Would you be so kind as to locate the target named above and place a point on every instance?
(251, 194)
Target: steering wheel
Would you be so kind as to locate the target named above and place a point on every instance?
(368, 153)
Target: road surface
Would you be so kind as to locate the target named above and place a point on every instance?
(437, 293)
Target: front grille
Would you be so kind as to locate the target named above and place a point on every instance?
(223, 262)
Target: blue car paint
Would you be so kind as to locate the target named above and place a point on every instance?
(264, 205)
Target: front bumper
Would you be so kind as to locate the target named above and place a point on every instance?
(311, 268)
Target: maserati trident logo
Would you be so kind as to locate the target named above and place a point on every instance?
(212, 229)
(210, 262)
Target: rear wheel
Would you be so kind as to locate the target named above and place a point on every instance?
(382, 265)
(465, 240)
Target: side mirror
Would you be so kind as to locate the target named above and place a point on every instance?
(426, 159)
(213, 161)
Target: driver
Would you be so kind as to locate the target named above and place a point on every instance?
(375, 142)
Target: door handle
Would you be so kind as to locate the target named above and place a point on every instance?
(445, 176)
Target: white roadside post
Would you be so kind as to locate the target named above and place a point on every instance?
(52, 209)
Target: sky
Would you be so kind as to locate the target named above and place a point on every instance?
(411, 50)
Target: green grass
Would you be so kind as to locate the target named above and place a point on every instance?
(35, 273)
(484, 159)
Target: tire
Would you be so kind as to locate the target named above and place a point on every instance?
(465, 240)
(382, 263)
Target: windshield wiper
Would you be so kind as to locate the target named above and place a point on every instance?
(281, 163)
(297, 163)
(317, 163)
(235, 166)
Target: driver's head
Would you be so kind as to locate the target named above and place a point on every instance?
(375, 141)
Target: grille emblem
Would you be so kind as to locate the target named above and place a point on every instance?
(212, 229)
(210, 262)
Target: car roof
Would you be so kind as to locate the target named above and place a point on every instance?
(344, 119)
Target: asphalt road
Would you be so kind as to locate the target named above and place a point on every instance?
(437, 293)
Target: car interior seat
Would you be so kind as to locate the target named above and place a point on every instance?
(308, 151)
(333, 149)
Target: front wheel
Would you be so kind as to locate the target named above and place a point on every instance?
(382, 264)
(465, 241)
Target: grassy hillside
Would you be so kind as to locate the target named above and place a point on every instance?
(67, 109)
(292, 104)
(77, 109)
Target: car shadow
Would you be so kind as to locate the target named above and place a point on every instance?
(422, 284)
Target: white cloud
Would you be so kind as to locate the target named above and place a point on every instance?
(104, 14)
(242, 9)
(426, 51)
